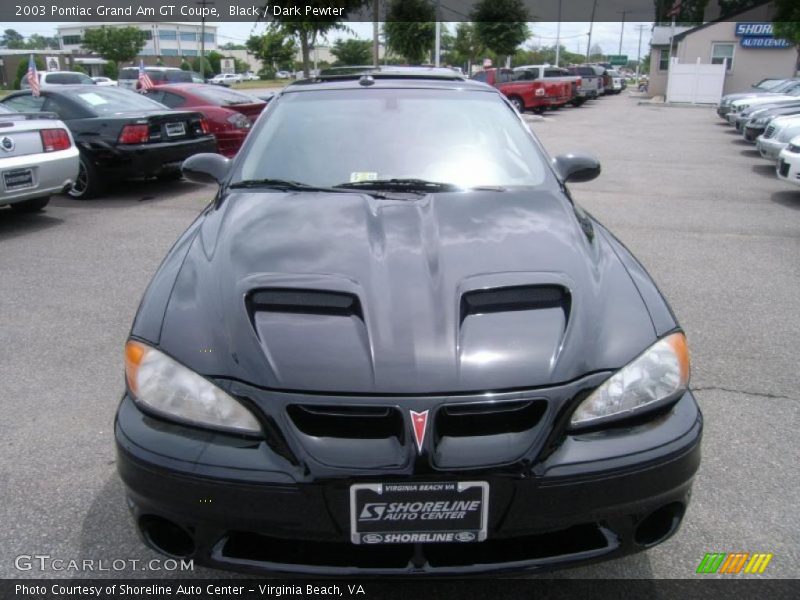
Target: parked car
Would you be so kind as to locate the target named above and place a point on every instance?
(590, 83)
(283, 75)
(394, 307)
(525, 91)
(120, 134)
(777, 136)
(225, 79)
(250, 76)
(737, 106)
(129, 76)
(56, 78)
(551, 74)
(37, 158)
(196, 77)
(760, 118)
(613, 81)
(785, 86)
(229, 113)
(104, 81)
(788, 167)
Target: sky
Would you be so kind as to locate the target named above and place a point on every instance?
(573, 35)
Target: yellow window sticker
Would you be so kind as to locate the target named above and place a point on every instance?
(363, 176)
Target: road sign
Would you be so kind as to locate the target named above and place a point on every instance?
(618, 60)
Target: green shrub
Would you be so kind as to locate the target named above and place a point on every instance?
(22, 68)
(111, 70)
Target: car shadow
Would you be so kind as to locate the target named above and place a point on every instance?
(765, 170)
(750, 152)
(790, 198)
(128, 193)
(14, 224)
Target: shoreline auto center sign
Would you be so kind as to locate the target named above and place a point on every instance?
(759, 35)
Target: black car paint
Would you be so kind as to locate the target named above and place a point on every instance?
(408, 261)
(97, 135)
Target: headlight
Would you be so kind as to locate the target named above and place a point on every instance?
(168, 388)
(658, 374)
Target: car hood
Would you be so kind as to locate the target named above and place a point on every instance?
(443, 293)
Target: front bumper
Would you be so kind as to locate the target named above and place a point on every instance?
(592, 496)
(148, 160)
(51, 173)
(769, 148)
(751, 133)
(788, 167)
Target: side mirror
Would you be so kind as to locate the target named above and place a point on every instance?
(206, 168)
(576, 167)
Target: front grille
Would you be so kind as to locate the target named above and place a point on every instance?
(783, 169)
(260, 550)
(354, 422)
(770, 131)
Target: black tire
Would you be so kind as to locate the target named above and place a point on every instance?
(87, 183)
(32, 205)
(518, 103)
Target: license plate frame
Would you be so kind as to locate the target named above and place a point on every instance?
(376, 518)
(175, 129)
(27, 181)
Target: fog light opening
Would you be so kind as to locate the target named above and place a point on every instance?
(659, 524)
(166, 537)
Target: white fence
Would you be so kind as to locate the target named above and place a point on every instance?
(696, 83)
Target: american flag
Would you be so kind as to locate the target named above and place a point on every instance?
(33, 76)
(145, 83)
(675, 10)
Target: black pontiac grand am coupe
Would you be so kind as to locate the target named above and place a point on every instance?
(393, 344)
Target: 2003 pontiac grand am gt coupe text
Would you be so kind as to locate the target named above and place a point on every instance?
(394, 344)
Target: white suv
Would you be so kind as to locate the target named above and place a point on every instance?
(777, 135)
(225, 79)
(51, 78)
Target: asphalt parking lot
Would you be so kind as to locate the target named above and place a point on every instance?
(718, 232)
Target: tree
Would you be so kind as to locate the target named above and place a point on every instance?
(352, 52)
(12, 39)
(22, 69)
(501, 25)
(196, 66)
(274, 48)
(120, 44)
(214, 58)
(467, 47)
(232, 46)
(692, 12)
(40, 42)
(787, 24)
(410, 29)
(111, 70)
(308, 32)
(185, 66)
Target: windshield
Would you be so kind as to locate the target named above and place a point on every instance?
(108, 101)
(335, 137)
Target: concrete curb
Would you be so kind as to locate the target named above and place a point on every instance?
(674, 104)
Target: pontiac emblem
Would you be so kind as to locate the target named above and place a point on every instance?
(420, 421)
(7, 144)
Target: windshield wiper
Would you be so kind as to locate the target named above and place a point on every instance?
(283, 184)
(401, 185)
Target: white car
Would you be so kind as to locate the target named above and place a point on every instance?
(38, 157)
(777, 135)
(51, 78)
(250, 76)
(788, 167)
(283, 75)
(104, 81)
(739, 105)
(225, 79)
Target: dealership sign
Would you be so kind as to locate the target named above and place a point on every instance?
(759, 35)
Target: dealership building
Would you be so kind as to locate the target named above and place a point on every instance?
(163, 39)
(745, 42)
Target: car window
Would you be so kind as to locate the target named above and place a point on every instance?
(109, 101)
(173, 100)
(553, 73)
(177, 77)
(481, 76)
(504, 76)
(155, 95)
(61, 107)
(69, 78)
(526, 75)
(129, 73)
(26, 103)
(340, 136)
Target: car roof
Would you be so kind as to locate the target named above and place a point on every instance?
(390, 77)
(154, 68)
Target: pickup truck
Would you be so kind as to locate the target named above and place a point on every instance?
(525, 90)
(591, 83)
(554, 75)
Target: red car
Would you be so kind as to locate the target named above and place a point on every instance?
(229, 113)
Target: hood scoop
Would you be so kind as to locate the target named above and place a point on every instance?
(529, 297)
(317, 302)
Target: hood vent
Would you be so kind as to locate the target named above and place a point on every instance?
(528, 297)
(316, 302)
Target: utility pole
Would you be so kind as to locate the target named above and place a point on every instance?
(438, 46)
(203, 4)
(591, 25)
(376, 17)
(639, 52)
(558, 34)
(621, 31)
